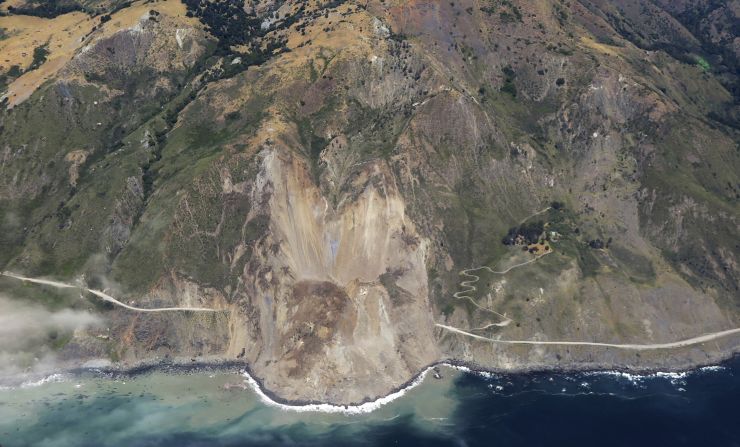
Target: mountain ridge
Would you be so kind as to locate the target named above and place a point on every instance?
(326, 172)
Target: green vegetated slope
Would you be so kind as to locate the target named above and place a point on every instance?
(140, 164)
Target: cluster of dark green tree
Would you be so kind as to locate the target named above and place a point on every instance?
(529, 233)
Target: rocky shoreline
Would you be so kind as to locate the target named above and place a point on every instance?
(271, 397)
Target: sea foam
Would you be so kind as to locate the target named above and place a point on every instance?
(57, 377)
(363, 408)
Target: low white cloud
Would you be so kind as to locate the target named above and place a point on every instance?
(27, 329)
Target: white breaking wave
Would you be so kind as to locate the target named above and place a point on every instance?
(53, 378)
(366, 407)
(715, 368)
(465, 369)
(369, 407)
(674, 377)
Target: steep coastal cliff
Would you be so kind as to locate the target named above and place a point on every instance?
(323, 172)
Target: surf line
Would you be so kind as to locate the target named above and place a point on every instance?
(369, 407)
(363, 408)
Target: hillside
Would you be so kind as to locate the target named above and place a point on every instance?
(323, 171)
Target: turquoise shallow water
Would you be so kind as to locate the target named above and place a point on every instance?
(207, 408)
(212, 407)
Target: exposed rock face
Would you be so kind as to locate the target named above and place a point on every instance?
(328, 197)
(339, 290)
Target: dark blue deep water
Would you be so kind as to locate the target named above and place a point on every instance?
(701, 408)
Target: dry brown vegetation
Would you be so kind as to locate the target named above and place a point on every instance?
(64, 36)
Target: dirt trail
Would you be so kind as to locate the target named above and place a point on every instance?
(469, 287)
(105, 297)
(535, 214)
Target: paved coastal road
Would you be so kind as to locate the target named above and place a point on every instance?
(636, 347)
(105, 297)
(469, 287)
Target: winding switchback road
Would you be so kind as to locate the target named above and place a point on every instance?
(105, 297)
(469, 287)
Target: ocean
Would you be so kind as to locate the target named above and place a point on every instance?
(212, 407)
